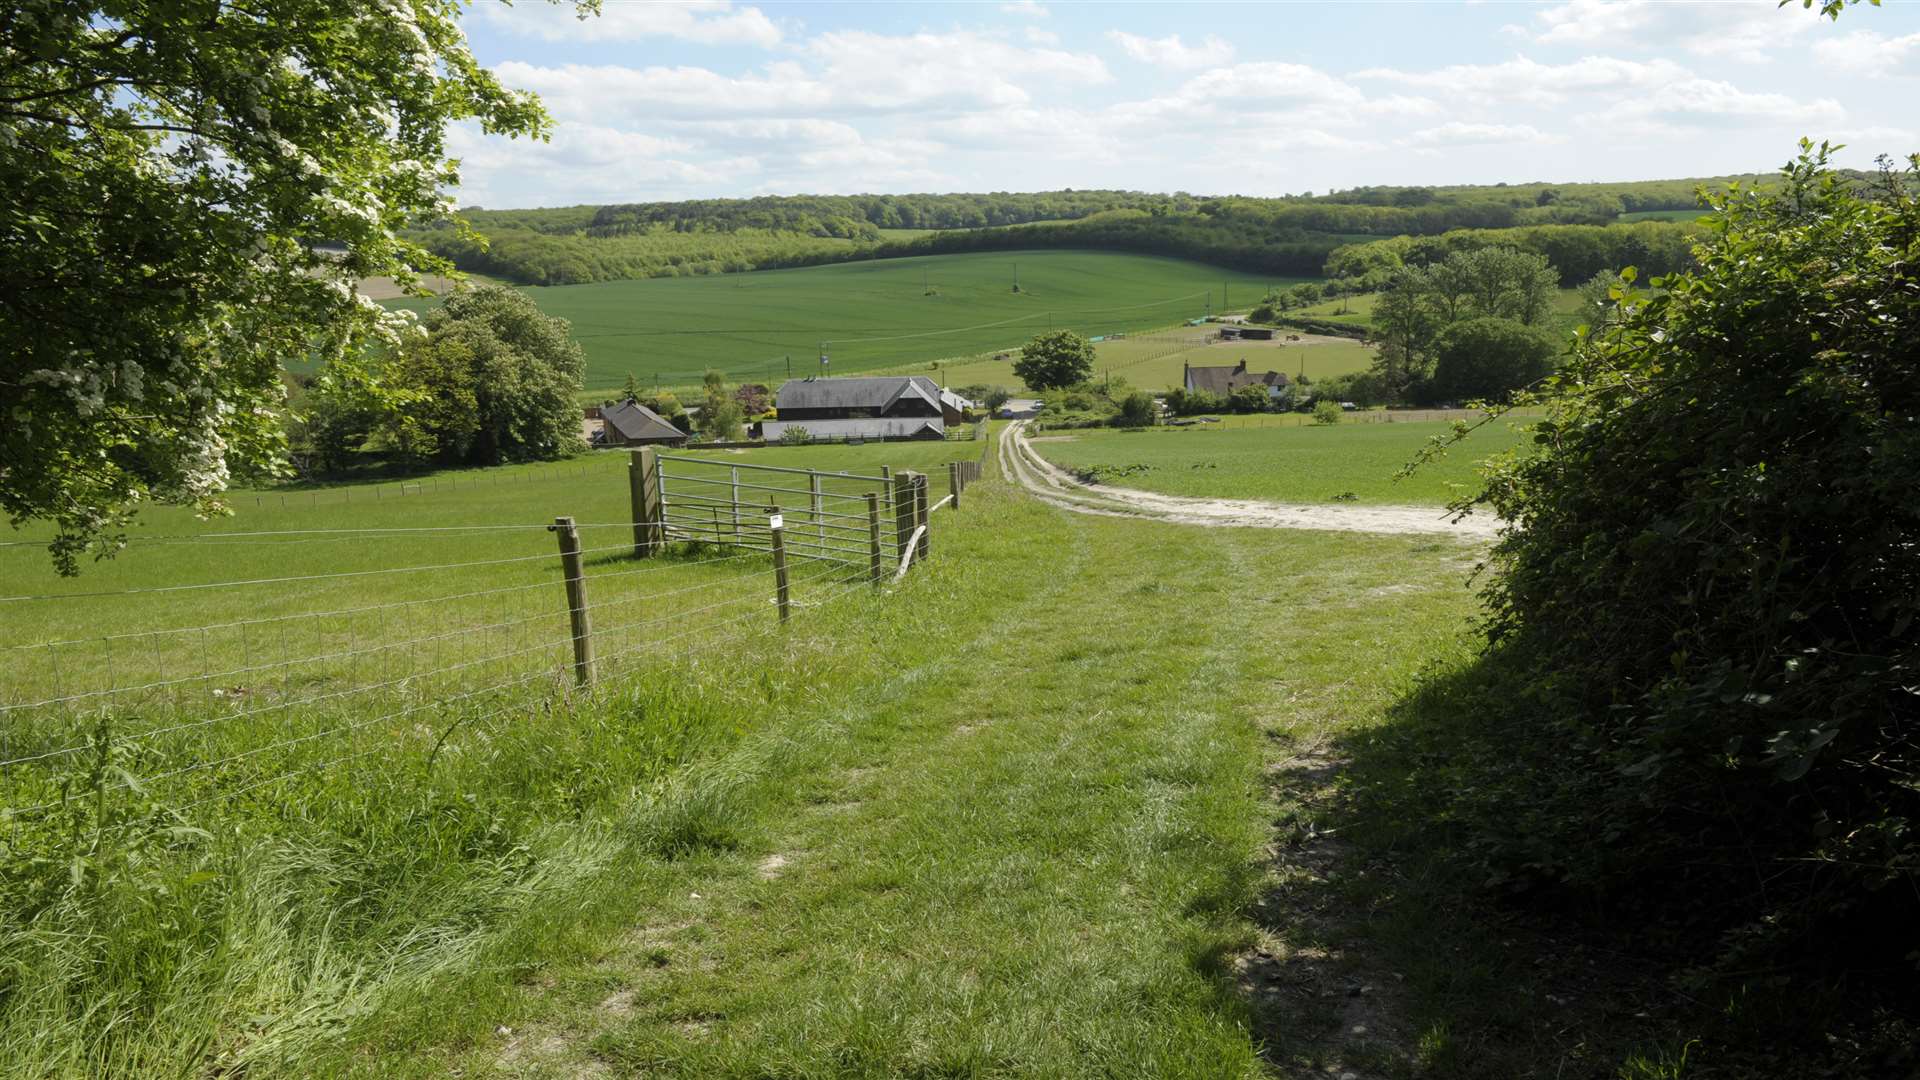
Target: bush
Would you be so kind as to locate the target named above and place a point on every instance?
(795, 436)
(1137, 410)
(1326, 412)
(1185, 402)
(1707, 611)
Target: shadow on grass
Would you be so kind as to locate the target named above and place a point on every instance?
(1384, 954)
(1390, 949)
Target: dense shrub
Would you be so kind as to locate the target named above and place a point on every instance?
(1704, 612)
(1137, 410)
(1487, 359)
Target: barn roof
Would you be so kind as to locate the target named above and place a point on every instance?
(1225, 380)
(632, 421)
(878, 393)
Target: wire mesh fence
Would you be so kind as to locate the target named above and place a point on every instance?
(338, 646)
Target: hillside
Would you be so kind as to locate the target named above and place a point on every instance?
(1285, 235)
(875, 314)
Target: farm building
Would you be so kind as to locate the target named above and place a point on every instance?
(1225, 380)
(855, 430)
(890, 396)
(630, 423)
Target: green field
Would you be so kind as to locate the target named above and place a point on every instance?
(1155, 359)
(871, 315)
(1664, 215)
(1292, 463)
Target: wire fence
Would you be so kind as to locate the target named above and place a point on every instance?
(283, 681)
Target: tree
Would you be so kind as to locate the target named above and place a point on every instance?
(1486, 359)
(754, 398)
(1704, 607)
(631, 392)
(525, 371)
(1327, 412)
(1305, 294)
(1055, 361)
(192, 191)
(720, 414)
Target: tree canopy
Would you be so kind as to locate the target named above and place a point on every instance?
(192, 190)
(1486, 359)
(1055, 361)
(1705, 604)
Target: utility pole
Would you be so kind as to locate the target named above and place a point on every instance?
(789, 365)
(1016, 277)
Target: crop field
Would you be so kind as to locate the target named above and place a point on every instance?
(1293, 463)
(871, 315)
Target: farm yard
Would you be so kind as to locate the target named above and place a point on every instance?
(873, 315)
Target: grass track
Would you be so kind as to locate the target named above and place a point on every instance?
(872, 314)
(1026, 848)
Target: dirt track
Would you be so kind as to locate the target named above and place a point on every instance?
(1054, 486)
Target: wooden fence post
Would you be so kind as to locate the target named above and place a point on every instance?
(576, 599)
(817, 505)
(875, 568)
(904, 515)
(953, 482)
(643, 485)
(921, 513)
(735, 501)
(777, 531)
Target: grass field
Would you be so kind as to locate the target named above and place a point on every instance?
(1293, 463)
(871, 315)
(1664, 215)
(1155, 360)
(1063, 802)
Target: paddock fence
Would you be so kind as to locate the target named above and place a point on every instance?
(179, 694)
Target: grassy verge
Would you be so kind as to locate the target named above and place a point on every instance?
(1287, 462)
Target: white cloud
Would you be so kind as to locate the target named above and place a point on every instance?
(1525, 81)
(1708, 101)
(1037, 36)
(1586, 22)
(948, 70)
(1171, 52)
(705, 22)
(579, 91)
(1028, 9)
(1459, 133)
(1749, 33)
(1864, 50)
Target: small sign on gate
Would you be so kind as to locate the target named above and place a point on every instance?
(776, 521)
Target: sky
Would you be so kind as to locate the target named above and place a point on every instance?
(708, 99)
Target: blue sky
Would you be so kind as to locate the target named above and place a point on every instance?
(715, 98)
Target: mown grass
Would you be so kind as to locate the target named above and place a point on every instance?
(869, 315)
(1286, 462)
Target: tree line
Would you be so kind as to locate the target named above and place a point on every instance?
(1293, 235)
